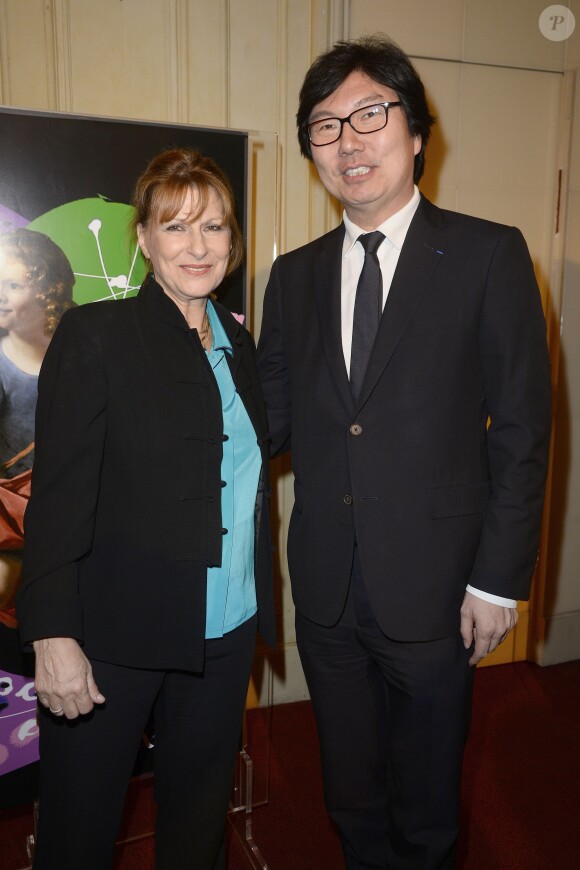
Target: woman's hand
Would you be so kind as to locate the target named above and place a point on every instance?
(64, 678)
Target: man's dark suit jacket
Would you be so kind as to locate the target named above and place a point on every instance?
(434, 499)
(125, 512)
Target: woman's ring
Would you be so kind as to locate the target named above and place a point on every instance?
(56, 712)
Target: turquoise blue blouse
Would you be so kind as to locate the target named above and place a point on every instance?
(231, 590)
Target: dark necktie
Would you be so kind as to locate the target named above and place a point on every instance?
(368, 307)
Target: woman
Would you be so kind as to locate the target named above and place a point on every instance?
(36, 282)
(148, 559)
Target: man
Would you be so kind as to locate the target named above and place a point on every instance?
(415, 525)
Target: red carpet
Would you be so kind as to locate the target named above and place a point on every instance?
(520, 799)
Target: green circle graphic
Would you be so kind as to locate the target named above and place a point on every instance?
(94, 235)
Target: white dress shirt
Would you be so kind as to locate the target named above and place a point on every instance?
(395, 230)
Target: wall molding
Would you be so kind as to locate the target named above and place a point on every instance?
(4, 65)
(539, 644)
(561, 641)
(60, 57)
(172, 13)
(330, 23)
(50, 51)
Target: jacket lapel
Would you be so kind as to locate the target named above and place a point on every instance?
(421, 254)
(246, 385)
(327, 283)
(233, 331)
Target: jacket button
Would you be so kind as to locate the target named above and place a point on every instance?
(347, 499)
(223, 483)
(356, 429)
(225, 437)
(224, 531)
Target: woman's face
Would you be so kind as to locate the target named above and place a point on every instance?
(19, 308)
(189, 258)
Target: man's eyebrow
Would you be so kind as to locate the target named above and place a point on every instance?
(365, 101)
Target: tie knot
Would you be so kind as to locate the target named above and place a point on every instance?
(371, 241)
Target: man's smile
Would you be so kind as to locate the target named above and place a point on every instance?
(357, 170)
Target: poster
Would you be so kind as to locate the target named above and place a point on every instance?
(69, 178)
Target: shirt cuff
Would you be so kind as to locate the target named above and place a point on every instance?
(493, 599)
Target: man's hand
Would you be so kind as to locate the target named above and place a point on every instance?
(486, 624)
(64, 678)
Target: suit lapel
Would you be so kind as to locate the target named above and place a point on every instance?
(246, 386)
(422, 251)
(327, 283)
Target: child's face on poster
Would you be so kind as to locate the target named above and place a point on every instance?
(19, 308)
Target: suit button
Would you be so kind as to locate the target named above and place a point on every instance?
(355, 429)
(347, 499)
(225, 437)
(223, 483)
(224, 531)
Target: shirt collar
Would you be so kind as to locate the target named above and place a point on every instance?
(394, 228)
(220, 338)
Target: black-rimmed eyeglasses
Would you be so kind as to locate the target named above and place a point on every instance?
(325, 131)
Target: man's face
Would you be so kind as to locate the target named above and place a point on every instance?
(370, 173)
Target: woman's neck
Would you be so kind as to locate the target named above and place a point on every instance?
(195, 314)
